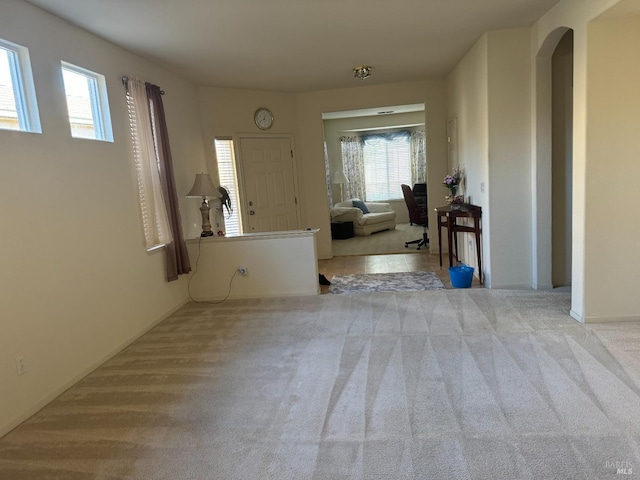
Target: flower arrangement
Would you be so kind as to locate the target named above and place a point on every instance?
(452, 182)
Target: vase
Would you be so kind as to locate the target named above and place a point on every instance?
(449, 198)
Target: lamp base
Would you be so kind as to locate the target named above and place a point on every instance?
(207, 234)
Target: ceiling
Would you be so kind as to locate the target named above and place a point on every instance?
(298, 45)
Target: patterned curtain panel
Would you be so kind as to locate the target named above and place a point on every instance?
(327, 169)
(418, 157)
(353, 165)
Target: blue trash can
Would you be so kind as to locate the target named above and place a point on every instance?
(461, 276)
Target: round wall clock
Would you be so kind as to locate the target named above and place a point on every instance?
(263, 118)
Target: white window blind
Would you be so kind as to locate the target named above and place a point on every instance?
(155, 222)
(18, 109)
(228, 179)
(387, 165)
(87, 103)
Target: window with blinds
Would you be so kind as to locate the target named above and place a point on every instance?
(387, 165)
(18, 108)
(228, 179)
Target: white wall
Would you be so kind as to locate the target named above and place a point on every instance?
(509, 128)
(468, 103)
(78, 283)
(612, 230)
(226, 112)
(489, 95)
(281, 264)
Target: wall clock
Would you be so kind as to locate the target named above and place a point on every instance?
(263, 118)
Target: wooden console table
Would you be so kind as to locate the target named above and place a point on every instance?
(447, 217)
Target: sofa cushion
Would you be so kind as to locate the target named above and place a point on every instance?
(361, 205)
(374, 218)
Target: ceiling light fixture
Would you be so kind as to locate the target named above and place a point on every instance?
(362, 72)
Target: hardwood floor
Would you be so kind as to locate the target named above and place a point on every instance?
(404, 262)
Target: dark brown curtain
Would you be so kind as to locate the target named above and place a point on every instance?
(177, 256)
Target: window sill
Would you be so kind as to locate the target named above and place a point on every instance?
(155, 249)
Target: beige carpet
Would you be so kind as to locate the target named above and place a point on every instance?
(455, 384)
(388, 241)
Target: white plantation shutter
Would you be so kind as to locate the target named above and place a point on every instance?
(387, 165)
(152, 208)
(227, 178)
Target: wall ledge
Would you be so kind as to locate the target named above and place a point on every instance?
(257, 236)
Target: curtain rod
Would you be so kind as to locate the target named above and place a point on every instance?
(391, 127)
(125, 82)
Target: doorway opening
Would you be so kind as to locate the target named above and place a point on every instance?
(562, 160)
(553, 165)
(369, 154)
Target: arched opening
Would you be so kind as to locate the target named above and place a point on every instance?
(553, 160)
(561, 160)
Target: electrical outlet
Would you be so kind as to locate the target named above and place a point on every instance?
(21, 366)
(242, 270)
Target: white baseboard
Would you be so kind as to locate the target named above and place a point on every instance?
(542, 287)
(523, 286)
(620, 318)
(576, 316)
(249, 296)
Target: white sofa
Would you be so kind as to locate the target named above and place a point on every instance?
(380, 217)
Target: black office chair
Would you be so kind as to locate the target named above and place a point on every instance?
(420, 194)
(417, 215)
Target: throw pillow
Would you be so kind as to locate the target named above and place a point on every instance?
(360, 204)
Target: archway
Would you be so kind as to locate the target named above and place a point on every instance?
(546, 118)
(561, 160)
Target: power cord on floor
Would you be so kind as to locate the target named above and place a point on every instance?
(195, 271)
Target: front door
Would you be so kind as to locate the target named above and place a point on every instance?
(268, 174)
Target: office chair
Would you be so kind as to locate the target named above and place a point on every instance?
(417, 215)
(420, 194)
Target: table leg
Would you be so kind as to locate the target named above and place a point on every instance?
(450, 234)
(455, 246)
(440, 240)
(477, 229)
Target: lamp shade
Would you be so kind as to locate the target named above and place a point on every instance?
(203, 187)
(339, 177)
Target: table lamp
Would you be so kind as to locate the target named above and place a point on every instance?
(203, 187)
